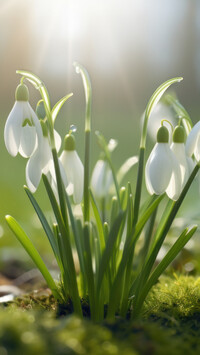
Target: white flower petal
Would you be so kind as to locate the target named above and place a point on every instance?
(101, 179)
(179, 150)
(147, 178)
(12, 131)
(70, 189)
(34, 171)
(58, 140)
(159, 169)
(45, 154)
(74, 172)
(193, 141)
(28, 141)
(175, 186)
(191, 164)
(36, 122)
(98, 179)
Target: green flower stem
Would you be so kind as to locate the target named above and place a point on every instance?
(75, 234)
(61, 192)
(88, 98)
(89, 269)
(86, 196)
(138, 186)
(148, 236)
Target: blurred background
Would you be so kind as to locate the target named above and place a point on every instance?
(128, 47)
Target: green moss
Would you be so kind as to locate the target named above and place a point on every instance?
(170, 324)
(178, 296)
(31, 332)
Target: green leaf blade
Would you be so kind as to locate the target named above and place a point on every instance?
(44, 223)
(58, 106)
(33, 253)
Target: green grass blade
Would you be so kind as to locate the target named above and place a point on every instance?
(166, 261)
(67, 258)
(44, 223)
(89, 269)
(33, 253)
(58, 105)
(148, 212)
(98, 221)
(76, 234)
(88, 98)
(60, 186)
(107, 254)
(126, 166)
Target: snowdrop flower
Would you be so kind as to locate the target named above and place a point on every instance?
(39, 162)
(73, 169)
(101, 178)
(193, 142)
(22, 130)
(178, 148)
(163, 172)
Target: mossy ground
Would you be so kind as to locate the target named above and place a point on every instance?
(169, 324)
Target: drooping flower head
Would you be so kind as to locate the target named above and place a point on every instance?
(162, 171)
(73, 169)
(22, 130)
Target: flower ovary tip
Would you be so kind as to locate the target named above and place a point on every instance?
(163, 135)
(69, 142)
(22, 93)
(178, 135)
